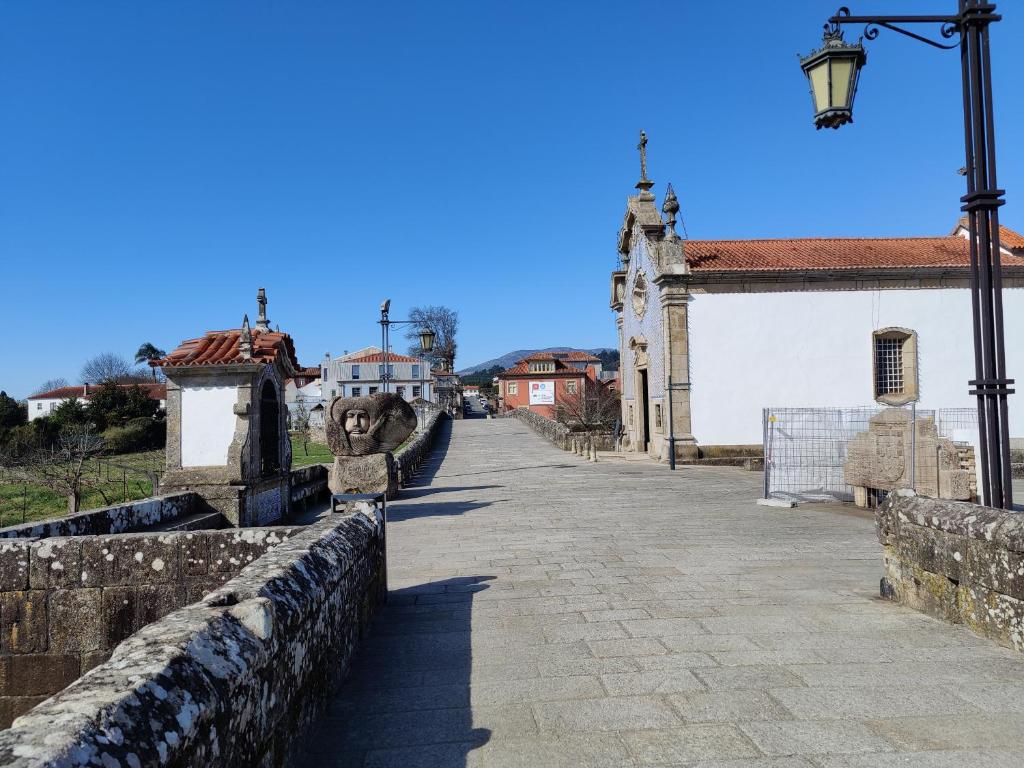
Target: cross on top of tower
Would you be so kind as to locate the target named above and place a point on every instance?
(262, 323)
(645, 184)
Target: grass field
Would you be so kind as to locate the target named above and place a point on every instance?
(112, 480)
(318, 454)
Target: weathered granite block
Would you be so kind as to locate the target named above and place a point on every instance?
(22, 622)
(128, 609)
(14, 559)
(375, 473)
(130, 559)
(956, 561)
(37, 674)
(76, 620)
(55, 563)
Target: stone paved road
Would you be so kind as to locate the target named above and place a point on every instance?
(550, 612)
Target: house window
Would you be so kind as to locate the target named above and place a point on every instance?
(355, 371)
(39, 406)
(416, 391)
(415, 371)
(357, 391)
(513, 387)
(380, 370)
(373, 390)
(894, 353)
(334, 393)
(570, 387)
(400, 391)
(543, 367)
(657, 415)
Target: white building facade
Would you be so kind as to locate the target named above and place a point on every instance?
(739, 326)
(362, 373)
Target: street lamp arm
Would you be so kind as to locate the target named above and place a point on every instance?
(950, 26)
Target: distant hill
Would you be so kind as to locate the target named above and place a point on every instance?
(511, 358)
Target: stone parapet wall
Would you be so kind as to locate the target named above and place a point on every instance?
(309, 484)
(560, 434)
(230, 681)
(66, 602)
(411, 455)
(121, 518)
(956, 561)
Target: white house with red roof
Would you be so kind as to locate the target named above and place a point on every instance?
(362, 373)
(736, 326)
(43, 403)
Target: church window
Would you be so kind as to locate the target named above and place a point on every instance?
(894, 365)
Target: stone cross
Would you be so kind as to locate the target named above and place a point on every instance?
(262, 322)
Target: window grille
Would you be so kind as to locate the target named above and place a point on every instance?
(357, 391)
(888, 366)
(416, 391)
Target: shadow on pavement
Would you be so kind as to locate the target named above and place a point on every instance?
(436, 509)
(407, 700)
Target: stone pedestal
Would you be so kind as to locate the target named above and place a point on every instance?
(375, 473)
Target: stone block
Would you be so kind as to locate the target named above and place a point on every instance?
(934, 550)
(996, 568)
(376, 473)
(37, 674)
(76, 620)
(194, 554)
(55, 563)
(127, 609)
(14, 562)
(993, 614)
(130, 559)
(15, 706)
(23, 621)
(923, 590)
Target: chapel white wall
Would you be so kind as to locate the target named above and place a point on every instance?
(813, 349)
(207, 424)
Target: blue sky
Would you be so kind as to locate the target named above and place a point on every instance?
(159, 161)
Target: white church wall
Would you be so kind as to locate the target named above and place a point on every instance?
(814, 349)
(207, 425)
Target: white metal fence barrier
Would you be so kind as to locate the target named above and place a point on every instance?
(805, 448)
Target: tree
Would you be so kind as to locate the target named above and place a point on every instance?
(444, 322)
(51, 384)
(146, 353)
(111, 405)
(12, 413)
(63, 468)
(110, 367)
(301, 427)
(593, 408)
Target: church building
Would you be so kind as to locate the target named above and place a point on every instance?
(711, 332)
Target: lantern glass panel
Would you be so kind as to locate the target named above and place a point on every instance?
(427, 341)
(842, 72)
(818, 75)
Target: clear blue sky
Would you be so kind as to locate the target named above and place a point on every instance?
(159, 161)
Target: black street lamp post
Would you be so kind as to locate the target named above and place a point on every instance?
(833, 72)
(426, 339)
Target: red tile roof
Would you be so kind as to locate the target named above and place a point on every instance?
(837, 253)
(222, 348)
(155, 391)
(1010, 239)
(378, 357)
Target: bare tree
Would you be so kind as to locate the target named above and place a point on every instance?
(51, 384)
(111, 367)
(444, 322)
(594, 407)
(63, 468)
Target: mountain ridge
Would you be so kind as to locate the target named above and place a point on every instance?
(511, 358)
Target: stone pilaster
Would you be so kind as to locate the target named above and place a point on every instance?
(675, 302)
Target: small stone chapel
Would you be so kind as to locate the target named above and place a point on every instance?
(227, 422)
(710, 332)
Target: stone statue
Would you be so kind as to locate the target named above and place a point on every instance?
(359, 426)
(361, 433)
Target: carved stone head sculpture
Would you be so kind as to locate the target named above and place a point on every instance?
(359, 426)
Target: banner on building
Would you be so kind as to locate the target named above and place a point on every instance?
(542, 393)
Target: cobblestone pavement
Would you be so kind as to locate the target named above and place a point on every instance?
(547, 611)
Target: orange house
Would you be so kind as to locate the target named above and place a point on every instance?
(543, 380)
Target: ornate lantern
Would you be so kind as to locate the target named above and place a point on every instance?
(832, 72)
(427, 340)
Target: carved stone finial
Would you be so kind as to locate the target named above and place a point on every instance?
(645, 184)
(262, 323)
(245, 340)
(670, 208)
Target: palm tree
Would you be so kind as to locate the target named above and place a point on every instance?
(148, 352)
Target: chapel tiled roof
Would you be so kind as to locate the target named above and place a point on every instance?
(223, 348)
(153, 390)
(838, 253)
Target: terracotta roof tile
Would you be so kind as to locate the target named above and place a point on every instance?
(836, 253)
(378, 357)
(222, 348)
(155, 391)
(1010, 239)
